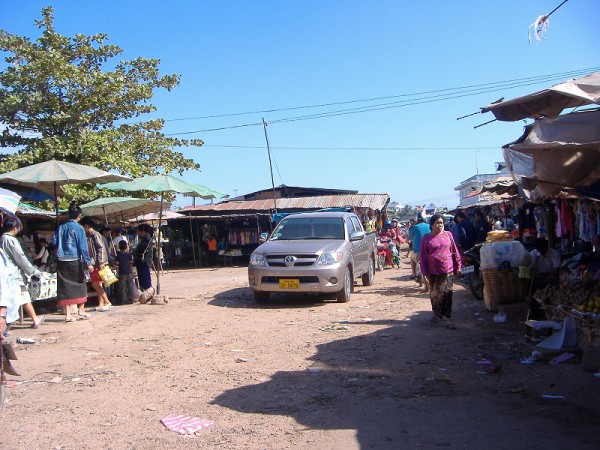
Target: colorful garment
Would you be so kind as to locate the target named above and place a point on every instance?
(439, 254)
(440, 291)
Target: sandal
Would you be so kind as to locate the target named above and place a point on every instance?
(37, 325)
(72, 319)
(451, 326)
(84, 316)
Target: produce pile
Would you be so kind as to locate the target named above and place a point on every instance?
(585, 297)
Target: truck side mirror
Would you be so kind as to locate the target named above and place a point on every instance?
(357, 235)
(263, 237)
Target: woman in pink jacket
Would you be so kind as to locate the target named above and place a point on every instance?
(440, 263)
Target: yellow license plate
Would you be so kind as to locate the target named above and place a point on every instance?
(289, 284)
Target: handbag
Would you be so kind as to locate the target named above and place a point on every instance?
(108, 276)
(453, 251)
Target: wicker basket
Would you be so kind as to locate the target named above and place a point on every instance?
(503, 287)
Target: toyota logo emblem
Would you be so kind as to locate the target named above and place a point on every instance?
(289, 260)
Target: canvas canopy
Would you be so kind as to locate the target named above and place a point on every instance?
(558, 157)
(549, 102)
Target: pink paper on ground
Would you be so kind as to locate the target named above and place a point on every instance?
(185, 424)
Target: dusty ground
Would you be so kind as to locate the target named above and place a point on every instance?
(276, 376)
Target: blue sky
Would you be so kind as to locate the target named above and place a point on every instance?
(241, 56)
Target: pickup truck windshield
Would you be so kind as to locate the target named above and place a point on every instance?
(309, 228)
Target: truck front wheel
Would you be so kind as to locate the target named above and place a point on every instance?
(343, 296)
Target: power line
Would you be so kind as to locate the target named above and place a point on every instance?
(539, 78)
(460, 93)
(251, 147)
(389, 105)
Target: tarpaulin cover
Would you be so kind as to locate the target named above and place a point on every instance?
(557, 157)
(549, 102)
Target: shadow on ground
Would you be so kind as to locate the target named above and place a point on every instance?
(243, 298)
(410, 385)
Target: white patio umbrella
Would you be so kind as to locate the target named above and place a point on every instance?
(126, 207)
(9, 200)
(50, 176)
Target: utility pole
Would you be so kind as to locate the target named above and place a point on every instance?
(270, 164)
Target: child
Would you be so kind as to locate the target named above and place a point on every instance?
(124, 261)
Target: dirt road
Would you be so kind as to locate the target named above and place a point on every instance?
(295, 373)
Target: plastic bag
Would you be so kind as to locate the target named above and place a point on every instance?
(108, 276)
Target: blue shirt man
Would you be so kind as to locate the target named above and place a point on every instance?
(416, 233)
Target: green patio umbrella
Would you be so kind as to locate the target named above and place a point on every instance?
(128, 207)
(162, 184)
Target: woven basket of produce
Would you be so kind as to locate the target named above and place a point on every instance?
(503, 287)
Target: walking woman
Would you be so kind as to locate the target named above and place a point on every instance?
(143, 261)
(19, 268)
(440, 263)
(8, 295)
(72, 261)
(99, 258)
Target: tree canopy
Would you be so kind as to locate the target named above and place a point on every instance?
(68, 98)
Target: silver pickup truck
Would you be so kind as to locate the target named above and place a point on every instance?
(319, 252)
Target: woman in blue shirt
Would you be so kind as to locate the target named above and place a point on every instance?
(73, 258)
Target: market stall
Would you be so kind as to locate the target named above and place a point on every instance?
(555, 165)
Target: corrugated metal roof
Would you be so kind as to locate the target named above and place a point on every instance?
(373, 201)
(27, 210)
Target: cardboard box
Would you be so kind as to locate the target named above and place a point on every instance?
(538, 330)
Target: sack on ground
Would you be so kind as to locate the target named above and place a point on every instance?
(146, 295)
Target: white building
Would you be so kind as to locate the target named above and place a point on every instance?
(475, 183)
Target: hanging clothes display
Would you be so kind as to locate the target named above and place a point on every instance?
(243, 237)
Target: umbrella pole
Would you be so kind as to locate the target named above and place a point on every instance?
(159, 252)
(56, 205)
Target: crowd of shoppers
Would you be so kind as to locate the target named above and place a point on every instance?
(79, 254)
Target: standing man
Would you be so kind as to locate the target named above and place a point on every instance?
(467, 240)
(545, 269)
(415, 234)
(212, 250)
(481, 227)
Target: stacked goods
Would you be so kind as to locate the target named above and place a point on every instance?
(503, 287)
(498, 235)
(500, 261)
(503, 253)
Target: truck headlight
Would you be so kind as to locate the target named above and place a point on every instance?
(327, 259)
(256, 259)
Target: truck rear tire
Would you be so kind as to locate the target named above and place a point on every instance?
(367, 278)
(343, 296)
(261, 297)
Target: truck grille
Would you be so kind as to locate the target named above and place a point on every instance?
(302, 260)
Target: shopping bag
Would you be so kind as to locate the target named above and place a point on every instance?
(108, 276)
